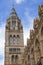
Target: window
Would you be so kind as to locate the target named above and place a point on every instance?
(18, 38)
(18, 49)
(16, 58)
(13, 59)
(12, 50)
(14, 24)
(14, 38)
(10, 39)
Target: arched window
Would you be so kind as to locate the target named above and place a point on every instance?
(14, 24)
(16, 58)
(42, 31)
(18, 38)
(10, 39)
(14, 39)
(12, 59)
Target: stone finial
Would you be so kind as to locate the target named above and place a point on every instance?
(40, 10)
(31, 34)
(36, 22)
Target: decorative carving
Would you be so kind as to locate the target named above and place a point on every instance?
(41, 10)
(35, 43)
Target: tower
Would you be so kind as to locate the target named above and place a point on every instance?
(41, 33)
(14, 43)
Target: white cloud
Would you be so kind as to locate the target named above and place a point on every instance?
(2, 36)
(19, 1)
(1, 62)
(26, 35)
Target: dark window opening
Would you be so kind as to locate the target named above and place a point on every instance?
(12, 59)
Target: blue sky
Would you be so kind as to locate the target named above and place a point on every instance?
(27, 10)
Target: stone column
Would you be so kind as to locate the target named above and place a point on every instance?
(16, 25)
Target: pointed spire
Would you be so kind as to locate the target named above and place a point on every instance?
(13, 12)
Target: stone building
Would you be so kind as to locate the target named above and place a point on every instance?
(15, 54)
(34, 50)
(14, 42)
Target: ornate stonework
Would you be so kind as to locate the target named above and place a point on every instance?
(34, 50)
(15, 53)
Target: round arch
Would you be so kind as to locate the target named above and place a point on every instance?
(12, 59)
